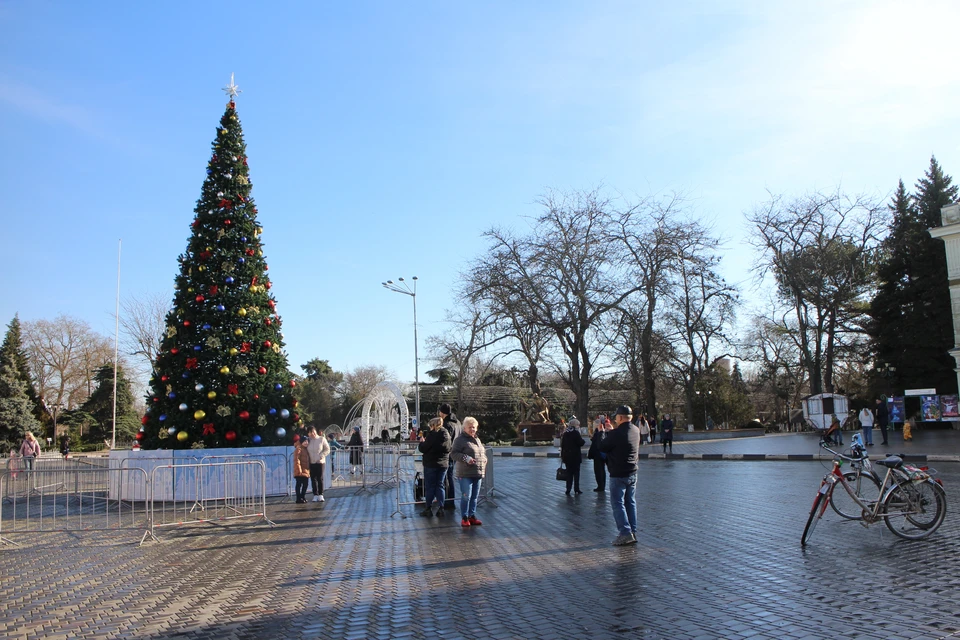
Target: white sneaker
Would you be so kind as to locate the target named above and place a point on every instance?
(316, 498)
(320, 499)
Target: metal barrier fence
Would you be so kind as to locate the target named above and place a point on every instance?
(76, 499)
(347, 468)
(207, 493)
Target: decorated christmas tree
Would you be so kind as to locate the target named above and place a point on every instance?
(221, 378)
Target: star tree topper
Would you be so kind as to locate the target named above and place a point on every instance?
(232, 89)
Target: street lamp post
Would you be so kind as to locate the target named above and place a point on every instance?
(402, 287)
(55, 409)
(708, 393)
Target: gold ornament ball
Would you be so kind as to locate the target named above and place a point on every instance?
(189, 289)
(209, 248)
(253, 288)
(182, 436)
(201, 268)
(224, 370)
(211, 395)
(233, 351)
(199, 414)
(242, 313)
(238, 332)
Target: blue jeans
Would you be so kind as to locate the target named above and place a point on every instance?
(623, 499)
(449, 476)
(433, 485)
(868, 435)
(469, 493)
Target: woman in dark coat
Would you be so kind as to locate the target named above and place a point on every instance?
(598, 457)
(570, 455)
(355, 445)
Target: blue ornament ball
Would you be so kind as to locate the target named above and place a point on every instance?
(278, 386)
(185, 375)
(171, 395)
(199, 386)
(197, 347)
(256, 439)
(220, 307)
(162, 417)
(273, 411)
(183, 406)
(241, 260)
(284, 414)
(281, 432)
(206, 327)
(243, 239)
(229, 280)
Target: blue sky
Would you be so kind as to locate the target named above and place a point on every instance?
(385, 137)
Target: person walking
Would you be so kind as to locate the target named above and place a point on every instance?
(319, 449)
(29, 450)
(571, 455)
(301, 469)
(435, 445)
(453, 427)
(355, 445)
(666, 432)
(470, 459)
(599, 459)
(866, 425)
(883, 418)
(622, 446)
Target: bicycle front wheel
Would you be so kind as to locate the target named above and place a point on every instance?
(819, 506)
(914, 510)
(864, 485)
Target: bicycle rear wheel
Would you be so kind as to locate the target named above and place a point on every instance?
(914, 510)
(864, 485)
(819, 506)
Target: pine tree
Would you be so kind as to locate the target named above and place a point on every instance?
(16, 417)
(12, 348)
(911, 326)
(100, 406)
(221, 378)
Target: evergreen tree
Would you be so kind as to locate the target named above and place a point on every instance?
(100, 406)
(911, 321)
(221, 377)
(12, 348)
(16, 417)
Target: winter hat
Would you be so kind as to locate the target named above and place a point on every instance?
(445, 409)
(573, 422)
(623, 410)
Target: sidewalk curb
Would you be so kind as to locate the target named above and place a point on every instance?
(750, 457)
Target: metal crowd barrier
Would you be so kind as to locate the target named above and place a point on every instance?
(206, 493)
(76, 499)
(347, 470)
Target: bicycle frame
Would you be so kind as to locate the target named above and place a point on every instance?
(871, 512)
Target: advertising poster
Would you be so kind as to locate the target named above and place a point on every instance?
(948, 408)
(930, 408)
(895, 409)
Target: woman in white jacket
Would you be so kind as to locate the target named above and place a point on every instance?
(319, 449)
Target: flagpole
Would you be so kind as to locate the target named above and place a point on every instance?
(116, 351)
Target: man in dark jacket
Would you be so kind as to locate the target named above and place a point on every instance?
(435, 445)
(621, 443)
(599, 459)
(883, 418)
(571, 455)
(453, 427)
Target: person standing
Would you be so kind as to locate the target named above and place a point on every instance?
(453, 427)
(570, 453)
(866, 425)
(644, 427)
(883, 418)
(355, 446)
(666, 432)
(471, 462)
(621, 443)
(319, 449)
(301, 469)
(599, 459)
(29, 450)
(435, 445)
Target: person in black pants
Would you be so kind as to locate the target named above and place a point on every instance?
(570, 443)
(883, 418)
(599, 460)
(666, 432)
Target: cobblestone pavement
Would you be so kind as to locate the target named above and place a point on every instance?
(718, 557)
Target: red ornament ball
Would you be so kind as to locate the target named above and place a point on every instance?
(228, 222)
(262, 370)
(268, 322)
(143, 420)
(267, 344)
(186, 323)
(256, 396)
(296, 437)
(293, 383)
(199, 297)
(174, 351)
(163, 378)
(140, 435)
(296, 417)
(244, 415)
(231, 435)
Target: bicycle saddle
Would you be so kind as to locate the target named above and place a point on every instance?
(894, 462)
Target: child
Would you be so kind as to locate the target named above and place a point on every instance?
(301, 469)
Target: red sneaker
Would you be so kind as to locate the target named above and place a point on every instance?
(474, 521)
(465, 522)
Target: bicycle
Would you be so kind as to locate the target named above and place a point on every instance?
(912, 502)
(862, 478)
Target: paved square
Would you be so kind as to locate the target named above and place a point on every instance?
(719, 557)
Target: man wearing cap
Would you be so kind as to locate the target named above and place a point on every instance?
(621, 443)
(454, 428)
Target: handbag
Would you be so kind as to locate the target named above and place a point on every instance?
(562, 473)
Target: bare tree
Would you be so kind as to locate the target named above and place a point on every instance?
(143, 324)
(358, 383)
(820, 250)
(65, 354)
